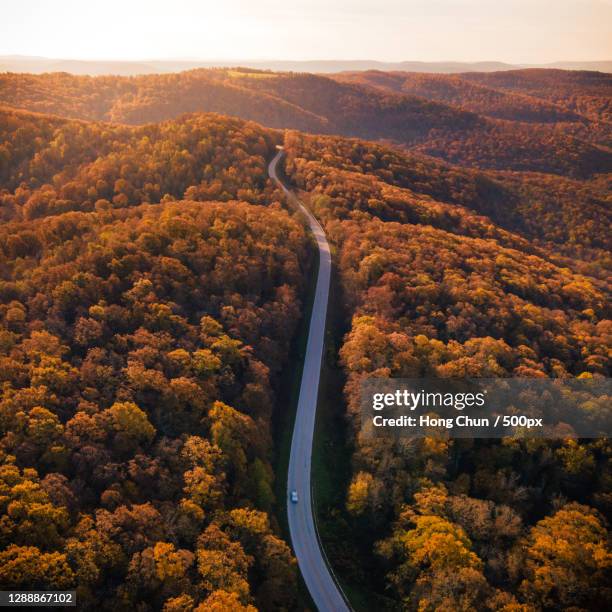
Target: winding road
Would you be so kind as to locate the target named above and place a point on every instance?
(321, 585)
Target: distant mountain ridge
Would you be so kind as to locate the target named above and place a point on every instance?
(37, 65)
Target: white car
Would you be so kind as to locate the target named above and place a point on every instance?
(294, 497)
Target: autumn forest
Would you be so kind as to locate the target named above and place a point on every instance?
(154, 286)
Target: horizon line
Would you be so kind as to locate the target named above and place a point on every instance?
(308, 60)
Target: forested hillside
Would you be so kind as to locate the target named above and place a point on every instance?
(584, 92)
(433, 290)
(151, 283)
(470, 96)
(140, 349)
(526, 134)
(573, 215)
(50, 165)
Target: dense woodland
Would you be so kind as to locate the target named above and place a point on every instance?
(140, 349)
(50, 165)
(151, 284)
(472, 96)
(526, 134)
(434, 290)
(542, 208)
(584, 92)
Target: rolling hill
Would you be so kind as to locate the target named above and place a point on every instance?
(325, 105)
(431, 289)
(468, 95)
(151, 283)
(584, 92)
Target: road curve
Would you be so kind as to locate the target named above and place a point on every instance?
(323, 590)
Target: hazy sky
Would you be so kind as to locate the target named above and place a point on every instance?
(506, 30)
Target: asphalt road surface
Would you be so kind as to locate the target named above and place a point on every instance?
(318, 579)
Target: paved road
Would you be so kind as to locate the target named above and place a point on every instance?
(319, 581)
